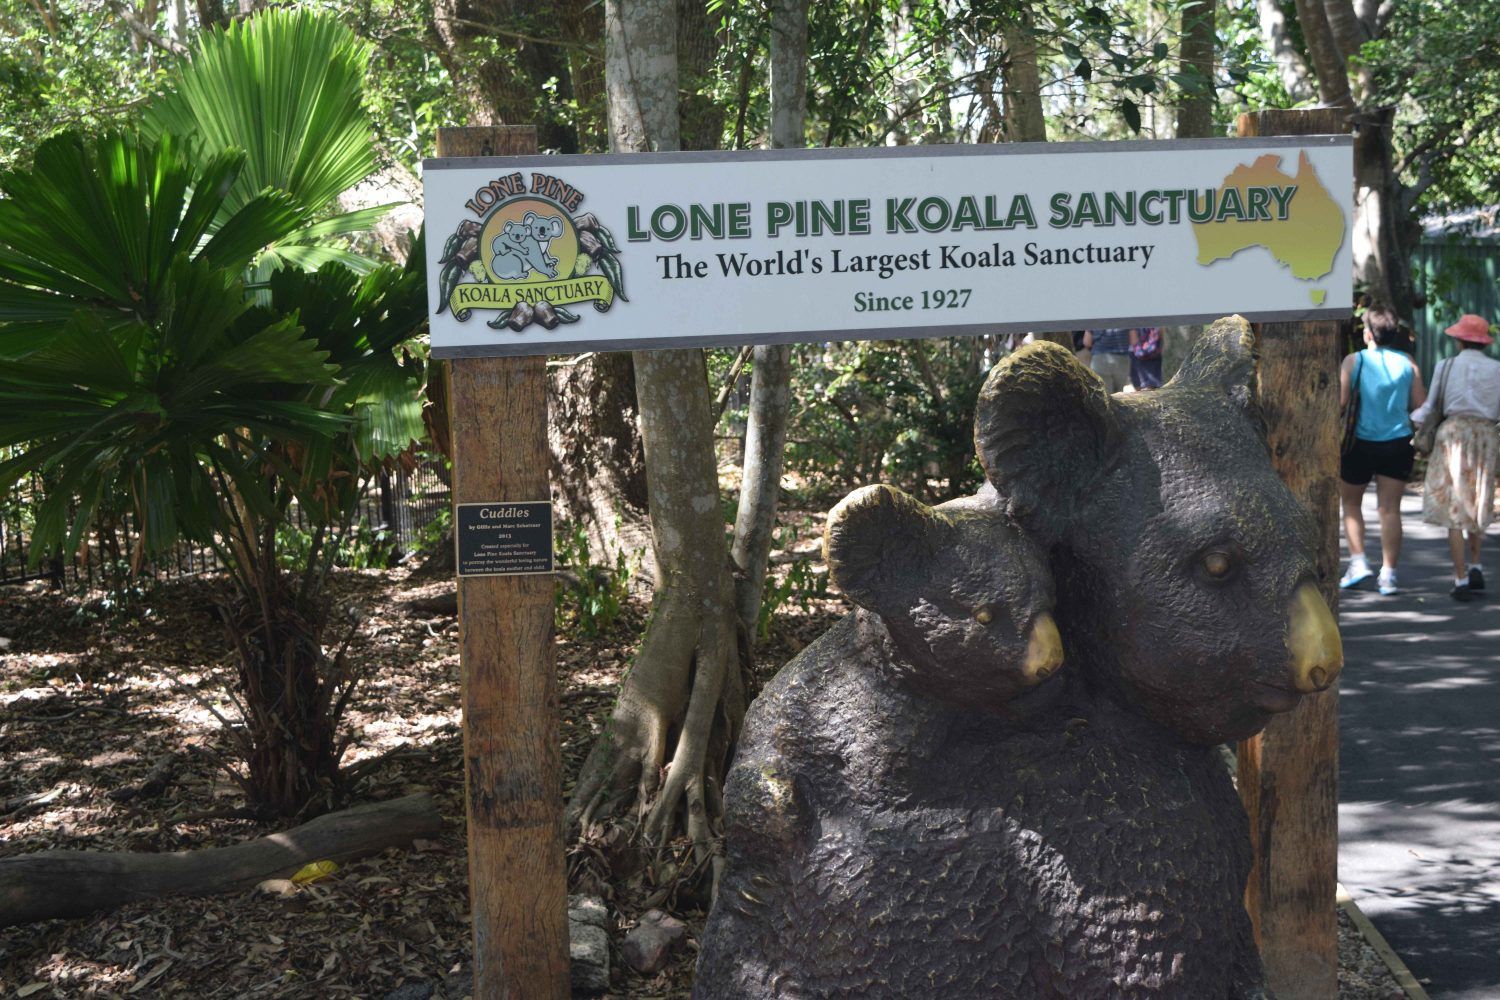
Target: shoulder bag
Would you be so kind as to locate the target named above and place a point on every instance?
(1351, 409)
(1425, 439)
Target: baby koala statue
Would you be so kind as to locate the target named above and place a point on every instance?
(963, 601)
(850, 806)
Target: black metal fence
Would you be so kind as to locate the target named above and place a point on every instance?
(396, 508)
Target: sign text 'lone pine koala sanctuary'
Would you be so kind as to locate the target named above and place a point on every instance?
(553, 254)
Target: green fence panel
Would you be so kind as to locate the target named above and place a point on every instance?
(1456, 277)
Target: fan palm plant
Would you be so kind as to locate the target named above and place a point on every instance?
(285, 86)
(139, 371)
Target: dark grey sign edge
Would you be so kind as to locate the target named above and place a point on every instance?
(458, 561)
(680, 342)
(563, 160)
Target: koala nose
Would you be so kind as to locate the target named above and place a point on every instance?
(1044, 652)
(1317, 651)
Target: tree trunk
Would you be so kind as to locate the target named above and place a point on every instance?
(499, 69)
(598, 466)
(1195, 110)
(1296, 77)
(53, 885)
(680, 707)
(1023, 84)
(1382, 257)
(771, 376)
(1022, 94)
(1382, 262)
(760, 487)
(1331, 67)
(1195, 119)
(700, 117)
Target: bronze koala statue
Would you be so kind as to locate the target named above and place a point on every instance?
(962, 599)
(915, 812)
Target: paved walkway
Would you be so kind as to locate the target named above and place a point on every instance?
(1419, 769)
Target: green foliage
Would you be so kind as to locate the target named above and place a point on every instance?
(131, 352)
(407, 90)
(869, 412)
(589, 598)
(285, 87)
(363, 546)
(1438, 62)
(67, 66)
(141, 377)
(801, 585)
(435, 533)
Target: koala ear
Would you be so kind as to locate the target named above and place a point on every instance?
(554, 226)
(1223, 357)
(871, 541)
(529, 218)
(1044, 430)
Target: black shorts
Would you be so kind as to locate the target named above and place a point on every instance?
(1392, 459)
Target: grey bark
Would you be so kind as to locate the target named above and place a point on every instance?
(1334, 31)
(1331, 67)
(1295, 74)
(771, 376)
(760, 489)
(1022, 95)
(598, 466)
(1195, 117)
(1195, 111)
(1023, 86)
(680, 707)
(788, 73)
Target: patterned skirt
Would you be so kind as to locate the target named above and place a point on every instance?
(1460, 491)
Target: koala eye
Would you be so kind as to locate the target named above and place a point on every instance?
(1218, 564)
(984, 615)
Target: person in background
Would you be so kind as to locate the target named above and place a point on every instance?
(1389, 385)
(1080, 348)
(1111, 356)
(1460, 488)
(1145, 358)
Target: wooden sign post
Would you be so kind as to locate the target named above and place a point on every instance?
(512, 759)
(1288, 775)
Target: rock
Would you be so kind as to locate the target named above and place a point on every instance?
(588, 944)
(652, 942)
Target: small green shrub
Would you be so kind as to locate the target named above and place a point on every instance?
(589, 598)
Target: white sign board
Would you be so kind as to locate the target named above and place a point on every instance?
(556, 254)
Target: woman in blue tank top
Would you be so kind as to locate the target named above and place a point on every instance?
(1389, 386)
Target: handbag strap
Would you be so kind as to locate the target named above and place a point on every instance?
(1438, 405)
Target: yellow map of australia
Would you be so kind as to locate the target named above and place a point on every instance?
(1306, 241)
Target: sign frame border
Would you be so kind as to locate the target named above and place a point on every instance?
(561, 161)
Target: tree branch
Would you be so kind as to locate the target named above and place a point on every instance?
(144, 32)
(1331, 66)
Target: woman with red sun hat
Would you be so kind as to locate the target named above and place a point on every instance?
(1460, 486)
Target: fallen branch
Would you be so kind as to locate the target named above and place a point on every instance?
(50, 885)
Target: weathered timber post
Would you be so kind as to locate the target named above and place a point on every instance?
(1288, 775)
(512, 760)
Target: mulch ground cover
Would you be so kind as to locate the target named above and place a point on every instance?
(92, 697)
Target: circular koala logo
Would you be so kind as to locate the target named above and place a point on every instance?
(528, 238)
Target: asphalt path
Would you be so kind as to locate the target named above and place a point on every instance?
(1419, 762)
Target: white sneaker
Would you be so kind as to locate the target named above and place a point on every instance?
(1387, 583)
(1358, 572)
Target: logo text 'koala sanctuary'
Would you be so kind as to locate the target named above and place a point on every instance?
(526, 258)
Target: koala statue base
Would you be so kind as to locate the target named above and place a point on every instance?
(924, 804)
